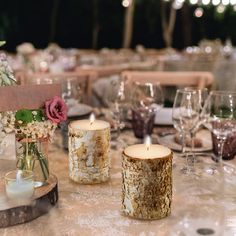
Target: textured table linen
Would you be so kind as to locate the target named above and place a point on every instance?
(96, 209)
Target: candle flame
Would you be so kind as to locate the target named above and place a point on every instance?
(92, 118)
(148, 142)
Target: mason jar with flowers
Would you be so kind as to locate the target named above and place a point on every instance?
(34, 129)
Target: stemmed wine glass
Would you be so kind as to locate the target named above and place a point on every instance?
(115, 100)
(146, 100)
(185, 117)
(176, 117)
(219, 115)
(200, 97)
(72, 91)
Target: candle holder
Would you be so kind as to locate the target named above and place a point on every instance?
(19, 185)
(89, 161)
(147, 182)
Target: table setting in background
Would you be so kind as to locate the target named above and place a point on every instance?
(134, 167)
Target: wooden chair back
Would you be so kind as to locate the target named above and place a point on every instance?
(104, 70)
(85, 77)
(199, 79)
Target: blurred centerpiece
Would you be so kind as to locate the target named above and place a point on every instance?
(6, 79)
(34, 129)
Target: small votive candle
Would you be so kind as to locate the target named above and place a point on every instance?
(89, 142)
(147, 181)
(19, 185)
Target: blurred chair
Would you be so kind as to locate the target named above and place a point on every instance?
(197, 79)
(103, 70)
(102, 76)
(70, 82)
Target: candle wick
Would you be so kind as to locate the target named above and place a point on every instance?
(148, 147)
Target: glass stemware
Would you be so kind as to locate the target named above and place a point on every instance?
(185, 116)
(200, 97)
(176, 118)
(115, 99)
(72, 91)
(147, 99)
(219, 115)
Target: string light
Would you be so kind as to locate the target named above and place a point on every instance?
(225, 2)
(198, 12)
(193, 2)
(177, 4)
(220, 8)
(126, 3)
(215, 2)
(206, 2)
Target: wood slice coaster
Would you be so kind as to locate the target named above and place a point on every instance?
(44, 199)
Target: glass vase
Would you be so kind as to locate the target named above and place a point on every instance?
(32, 154)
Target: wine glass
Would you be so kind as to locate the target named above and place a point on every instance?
(176, 118)
(201, 96)
(115, 100)
(219, 115)
(185, 117)
(72, 91)
(146, 100)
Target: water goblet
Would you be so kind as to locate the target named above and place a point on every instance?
(147, 99)
(185, 117)
(115, 100)
(219, 115)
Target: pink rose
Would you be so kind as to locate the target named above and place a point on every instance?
(56, 110)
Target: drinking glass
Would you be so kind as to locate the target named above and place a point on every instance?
(219, 115)
(72, 91)
(185, 116)
(201, 96)
(146, 100)
(115, 99)
(177, 122)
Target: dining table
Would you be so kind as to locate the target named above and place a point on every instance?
(96, 209)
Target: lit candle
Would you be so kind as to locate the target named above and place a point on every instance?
(19, 185)
(147, 150)
(147, 181)
(90, 124)
(89, 142)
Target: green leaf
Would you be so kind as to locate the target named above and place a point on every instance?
(24, 115)
(39, 116)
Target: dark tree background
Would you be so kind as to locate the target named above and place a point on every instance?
(70, 23)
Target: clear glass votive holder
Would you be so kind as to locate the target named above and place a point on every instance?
(19, 185)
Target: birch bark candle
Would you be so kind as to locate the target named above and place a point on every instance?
(147, 181)
(89, 142)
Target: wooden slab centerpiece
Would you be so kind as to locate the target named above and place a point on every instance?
(147, 181)
(27, 97)
(12, 213)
